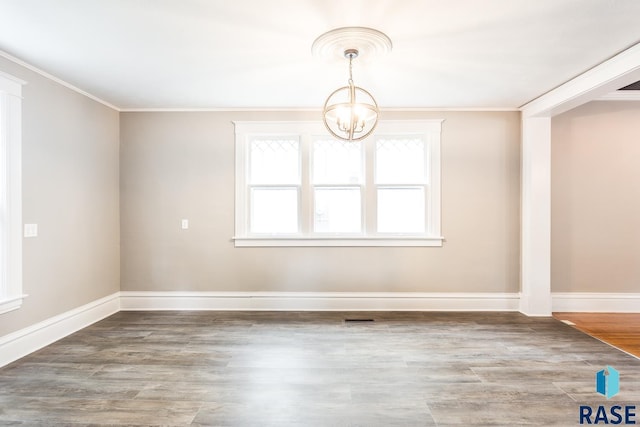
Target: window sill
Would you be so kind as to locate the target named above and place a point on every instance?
(11, 304)
(403, 241)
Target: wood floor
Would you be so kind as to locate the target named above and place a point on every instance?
(314, 369)
(621, 330)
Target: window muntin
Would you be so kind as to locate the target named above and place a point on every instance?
(383, 191)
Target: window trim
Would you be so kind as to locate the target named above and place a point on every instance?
(11, 295)
(429, 129)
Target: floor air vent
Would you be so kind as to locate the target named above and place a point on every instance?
(358, 320)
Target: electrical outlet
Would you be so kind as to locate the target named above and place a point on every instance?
(31, 230)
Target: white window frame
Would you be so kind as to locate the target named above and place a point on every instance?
(11, 295)
(428, 130)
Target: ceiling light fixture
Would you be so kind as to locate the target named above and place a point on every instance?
(350, 112)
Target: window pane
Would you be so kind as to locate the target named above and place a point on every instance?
(401, 210)
(337, 210)
(337, 162)
(274, 161)
(274, 210)
(400, 161)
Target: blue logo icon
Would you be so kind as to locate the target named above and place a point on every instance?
(608, 382)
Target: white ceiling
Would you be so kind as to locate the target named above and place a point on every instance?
(257, 54)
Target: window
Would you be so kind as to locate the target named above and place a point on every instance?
(10, 194)
(298, 186)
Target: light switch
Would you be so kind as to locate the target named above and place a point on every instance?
(185, 224)
(31, 230)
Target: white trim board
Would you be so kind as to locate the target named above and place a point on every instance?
(309, 109)
(595, 302)
(25, 341)
(614, 73)
(621, 95)
(53, 78)
(319, 301)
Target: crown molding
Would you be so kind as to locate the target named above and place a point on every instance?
(220, 110)
(56, 79)
(312, 110)
(240, 109)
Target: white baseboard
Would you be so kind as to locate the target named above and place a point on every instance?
(595, 302)
(319, 301)
(25, 341)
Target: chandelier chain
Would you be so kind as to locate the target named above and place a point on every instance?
(350, 69)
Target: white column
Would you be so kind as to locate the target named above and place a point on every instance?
(535, 271)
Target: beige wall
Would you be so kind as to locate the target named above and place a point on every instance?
(181, 165)
(70, 189)
(595, 198)
(93, 178)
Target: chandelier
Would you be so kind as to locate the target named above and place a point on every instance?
(350, 113)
